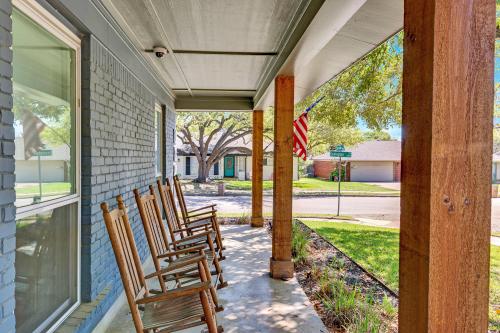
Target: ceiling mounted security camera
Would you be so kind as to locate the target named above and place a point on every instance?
(159, 51)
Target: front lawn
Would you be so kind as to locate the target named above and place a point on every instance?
(311, 184)
(377, 250)
(47, 188)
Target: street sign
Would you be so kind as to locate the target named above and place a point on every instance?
(43, 152)
(340, 148)
(335, 153)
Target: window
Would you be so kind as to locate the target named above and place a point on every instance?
(46, 62)
(216, 168)
(188, 165)
(264, 162)
(158, 140)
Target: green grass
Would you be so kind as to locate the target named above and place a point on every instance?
(46, 188)
(311, 184)
(377, 250)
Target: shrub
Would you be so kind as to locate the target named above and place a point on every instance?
(388, 308)
(299, 244)
(243, 219)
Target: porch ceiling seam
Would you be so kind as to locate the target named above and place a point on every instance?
(101, 9)
(152, 10)
(137, 40)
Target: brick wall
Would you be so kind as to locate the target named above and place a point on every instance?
(7, 194)
(323, 169)
(117, 156)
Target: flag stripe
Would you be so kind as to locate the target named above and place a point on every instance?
(300, 136)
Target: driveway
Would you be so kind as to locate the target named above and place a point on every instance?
(360, 207)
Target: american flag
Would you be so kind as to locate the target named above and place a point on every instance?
(300, 132)
(32, 127)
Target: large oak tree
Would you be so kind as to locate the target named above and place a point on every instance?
(210, 135)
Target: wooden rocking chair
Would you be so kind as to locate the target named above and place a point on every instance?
(188, 235)
(166, 310)
(161, 248)
(196, 216)
(191, 224)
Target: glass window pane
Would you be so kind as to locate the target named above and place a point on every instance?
(46, 267)
(44, 111)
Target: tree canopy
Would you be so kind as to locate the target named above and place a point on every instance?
(369, 92)
(209, 135)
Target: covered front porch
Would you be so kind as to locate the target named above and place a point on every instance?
(253, 302)
(133, 64)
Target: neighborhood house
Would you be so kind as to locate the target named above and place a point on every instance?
(236, 164)
(371, 161)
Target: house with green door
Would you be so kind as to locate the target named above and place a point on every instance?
(236, 164)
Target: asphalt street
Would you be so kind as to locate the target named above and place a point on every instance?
(380, 208)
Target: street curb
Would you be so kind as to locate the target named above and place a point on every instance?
(296, 195)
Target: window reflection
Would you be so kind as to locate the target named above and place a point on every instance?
(43, 94)
(45, 266)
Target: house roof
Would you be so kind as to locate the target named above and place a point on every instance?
(375, 150)
(242, 146)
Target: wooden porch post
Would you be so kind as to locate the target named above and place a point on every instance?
(257, 156)
(281, 261)
(446, 165)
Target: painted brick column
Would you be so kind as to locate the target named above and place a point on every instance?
(7, 178)
(281, 261)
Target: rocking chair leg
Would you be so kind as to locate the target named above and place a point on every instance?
(213, 293)
(209, 315)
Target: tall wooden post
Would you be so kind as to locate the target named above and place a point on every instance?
(257, 157)
(446, 165)
(281, 261)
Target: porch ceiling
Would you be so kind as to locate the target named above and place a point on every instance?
(230, 50)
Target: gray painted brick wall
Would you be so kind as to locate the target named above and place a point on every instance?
(7, 194)
(117, 156)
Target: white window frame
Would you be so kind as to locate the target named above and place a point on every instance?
(158, 114)
(52, 25)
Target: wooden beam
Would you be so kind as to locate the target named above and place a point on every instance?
(281, 261)
(446, 165)
(257, 166)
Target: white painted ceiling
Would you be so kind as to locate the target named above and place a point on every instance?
(196, 32)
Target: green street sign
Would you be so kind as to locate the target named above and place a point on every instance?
(335, 153)
(43, 152)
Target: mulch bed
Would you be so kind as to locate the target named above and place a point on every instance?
(322, 253)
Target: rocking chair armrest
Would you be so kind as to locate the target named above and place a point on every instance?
(188, 228)
(207, 214)
(202, 208)
(208, 223)
(208, 220)
(185, 250)
(188, 238)
(176, 265)
(176, 293)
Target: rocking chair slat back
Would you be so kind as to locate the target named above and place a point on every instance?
(127, 257)
(180, 196)
(154, 228)
(168, 204)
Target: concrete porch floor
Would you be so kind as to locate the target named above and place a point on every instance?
(253, 302)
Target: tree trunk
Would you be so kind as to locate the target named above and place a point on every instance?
(203, 172)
